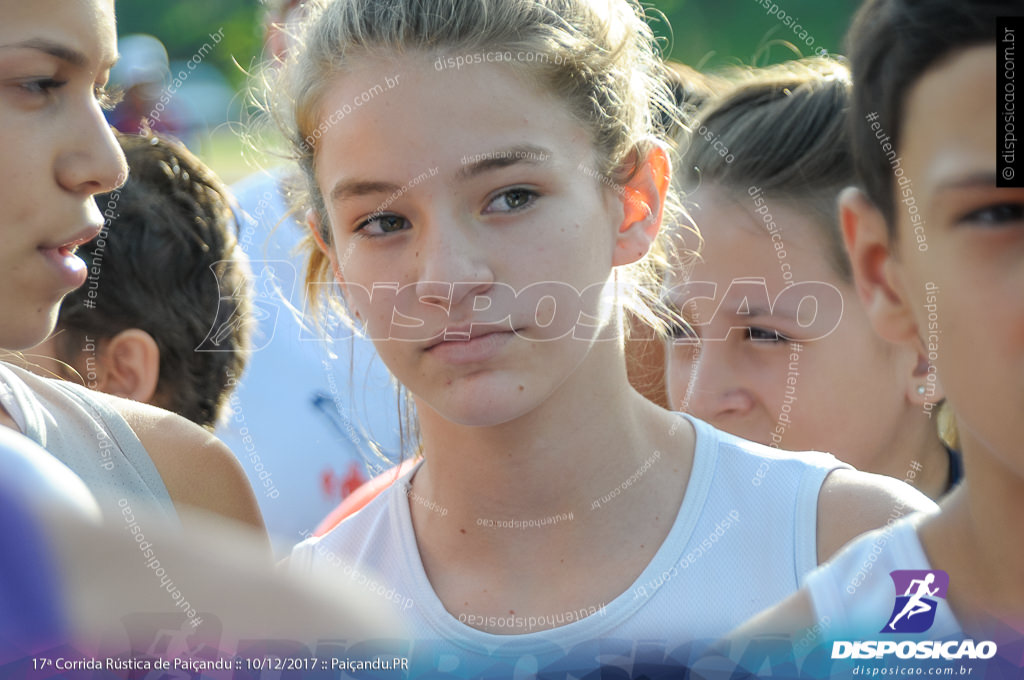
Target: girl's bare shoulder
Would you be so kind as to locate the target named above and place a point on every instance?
(197, 468)
(851, 503)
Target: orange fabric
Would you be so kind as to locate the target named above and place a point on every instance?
(356, 500)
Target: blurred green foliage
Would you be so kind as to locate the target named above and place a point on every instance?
(185, 25)
(705, 33)
(708, 34)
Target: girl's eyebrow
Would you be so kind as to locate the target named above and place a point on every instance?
(503, 158)
(346, 189)
(473, 165)
(62, 52)
(974, 180)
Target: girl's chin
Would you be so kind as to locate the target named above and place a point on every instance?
(31, 330)
(482, 408)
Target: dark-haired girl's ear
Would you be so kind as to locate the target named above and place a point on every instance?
(877, 273)
(643, 200)
(315, 229)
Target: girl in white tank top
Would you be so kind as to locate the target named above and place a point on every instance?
(56, 153)
(478, 234)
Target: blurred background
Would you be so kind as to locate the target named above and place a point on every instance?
(184, 63)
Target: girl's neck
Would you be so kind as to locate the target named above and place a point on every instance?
(917, 456)
(588, 437)
(497, 510)
(975, 539)
(931, 465)
(7, 421)
(592, 430)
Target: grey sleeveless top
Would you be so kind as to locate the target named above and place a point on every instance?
(88, 436)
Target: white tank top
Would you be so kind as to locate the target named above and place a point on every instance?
(743, 539)
(853, 593)
(89, 437)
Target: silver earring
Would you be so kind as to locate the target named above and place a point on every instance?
(920, 389)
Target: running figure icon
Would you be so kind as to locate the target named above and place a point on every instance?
(921, 590)
(915, 605)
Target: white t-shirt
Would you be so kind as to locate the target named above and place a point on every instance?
(300, 421)
(743, 539)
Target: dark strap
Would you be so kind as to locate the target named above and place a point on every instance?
(956, 468)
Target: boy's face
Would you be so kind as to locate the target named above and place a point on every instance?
(962, 297)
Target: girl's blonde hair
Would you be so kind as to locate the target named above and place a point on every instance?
(598, 56)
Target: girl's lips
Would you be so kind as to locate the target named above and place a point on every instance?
(84, 236)
(480, 348)
(71, 268)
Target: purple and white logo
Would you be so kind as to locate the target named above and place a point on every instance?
(914, 611)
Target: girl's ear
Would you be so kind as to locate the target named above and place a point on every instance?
(313, 222)
(643, 198)
(876, 271)
(922, 387)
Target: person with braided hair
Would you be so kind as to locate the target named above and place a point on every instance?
(165, 314)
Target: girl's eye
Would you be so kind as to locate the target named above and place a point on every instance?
(108, 97)
(755, 334)
(381, 225)
(511, 200)
(997, 215)
(43, 86)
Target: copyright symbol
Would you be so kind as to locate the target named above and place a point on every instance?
(1008, 174)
